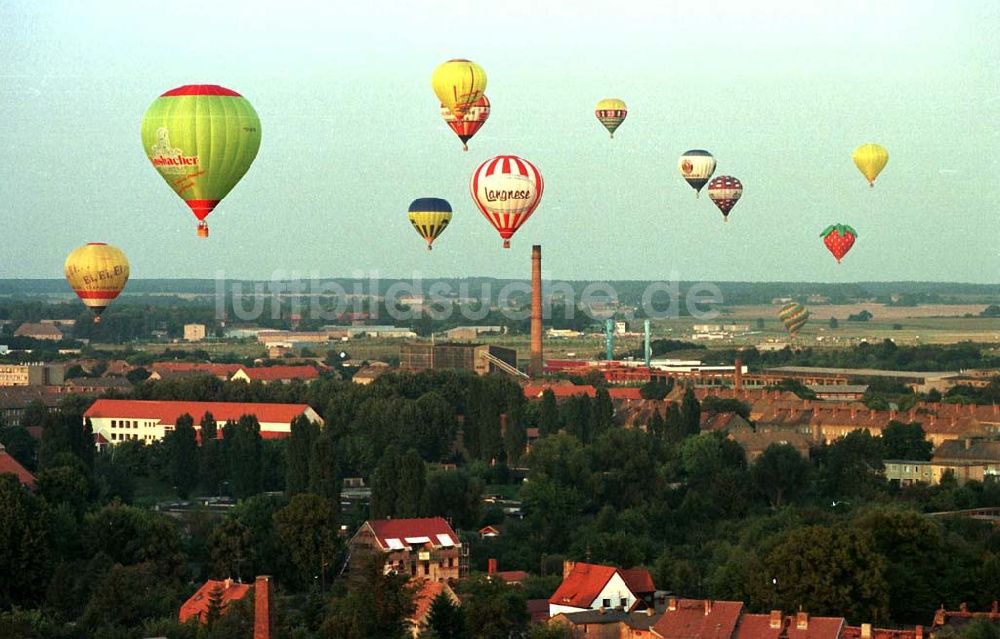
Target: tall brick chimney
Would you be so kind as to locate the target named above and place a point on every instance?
(491, 568)
(738, 376)
(536, 366)
(263, 613)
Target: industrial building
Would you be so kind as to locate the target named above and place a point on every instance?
(34, 374)
(479, 358)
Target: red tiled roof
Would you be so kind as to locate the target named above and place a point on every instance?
(759, 627)
(626, 392)
(689, 620)
(10, 465)
(513, 576)
(197, 605)
(538, 610)
(195, 368)
(425, 595)
(167, 412)
(489, 530)
(277, 373)
(638, 580)
(854, 632)
(561, 391)
(580, 588)
(401, 529)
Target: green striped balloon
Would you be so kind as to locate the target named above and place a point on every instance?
(793, 316)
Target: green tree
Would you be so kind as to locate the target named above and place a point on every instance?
(905, 441)
(654, 389)
(324, 468)
(212, 468)
(493, 610)
(385, 484)
(602, 413)
(851, 467)
(548, 414)
(411, 484)
(130, 535)
(307, 526)
(454, 495)
(231, 550)
(126, 596)
(657, 426)
(215, 606)
(376, 605)
(515, 437)
(691, 413)
(831, 571)
(780, 474)
(181, 446)
(298, 453)
(445, 619)
(20, 445)
(244, 450)
(65, 484)
(834, 324)
(27, 549)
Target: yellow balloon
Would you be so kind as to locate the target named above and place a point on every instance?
(97, 273)
(870, 160)
(459, 84)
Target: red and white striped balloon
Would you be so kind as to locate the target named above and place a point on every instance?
(725, 191)
(507, 190)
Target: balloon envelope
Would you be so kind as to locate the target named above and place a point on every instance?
(611, 112)
(429, 217)
(458, 84)
(466, 126)
(870, 160)
(794, 316)
(696, 167)
(97, 273)
(507, 190)
(725, 191)
(201, 139)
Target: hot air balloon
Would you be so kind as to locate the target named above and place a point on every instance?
(839, 238)
(696, 166)
(506, 189)
(201, 139)
(870, 160)
(429, 216)
(459, 84)
(611, 112)
(97, 273)
(794, 317)
(725, 191)
(466, 126)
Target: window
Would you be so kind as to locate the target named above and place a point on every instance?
(624, 602)
(114, 423)
(114, 436)
(605, 603)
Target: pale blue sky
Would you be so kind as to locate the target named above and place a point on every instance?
(780, 91)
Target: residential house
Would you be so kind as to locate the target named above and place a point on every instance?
(754, 443)
(33, 374)
(423, 547)
(119, 420)
(194, 332)
(725, 422)
(593, 586)
(612, 623)
(698, 619)
(40, 331)
(10, 465)
(370, 373)
(269, 374)
(509, 577)
(798, 626)
(971, 451)
(168, 370)
(908, 472)
(224, 592)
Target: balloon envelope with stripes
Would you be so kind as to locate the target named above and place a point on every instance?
(429, 217)
(611, 112)
(794, 316)
(469, 124)
(507, 190)
(97, 273)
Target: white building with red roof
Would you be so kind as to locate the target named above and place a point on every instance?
(118, 420)
(593, 586)
(425, 547)
(268, 374)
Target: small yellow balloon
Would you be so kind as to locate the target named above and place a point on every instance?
(97, 273)
(459, 84)
(870, 160)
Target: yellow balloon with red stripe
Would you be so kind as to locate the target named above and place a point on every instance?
(97, 273)
(459, 84)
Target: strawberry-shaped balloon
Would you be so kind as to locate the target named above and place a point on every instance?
(839, 238)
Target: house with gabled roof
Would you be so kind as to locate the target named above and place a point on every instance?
(224, 592)
(698, 619)
(593, 586)
(270, 374)
(798, 626)
(425, 547)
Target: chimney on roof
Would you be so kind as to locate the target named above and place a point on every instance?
(600, 610)
(994, 609)
(649, 611)
(227, 584)
(775, 619)
(738, 375)
(939, 616)
(491, 564)
(866, 631)
(263, 615)
(708, 606)
(535, 365)
(568, 567)
(503, 424)
(854, 413)
(963, 607)
(968, 445)
(802, 620)
(918, 632)
(871, 414)
(672, 603)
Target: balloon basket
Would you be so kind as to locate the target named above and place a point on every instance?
(97, 319)
(203, 230)
(506, 244)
